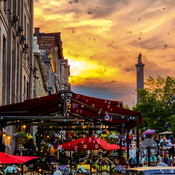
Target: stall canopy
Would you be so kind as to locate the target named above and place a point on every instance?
(80, 105)
(7, 158)
(149, 132)
(88, 143)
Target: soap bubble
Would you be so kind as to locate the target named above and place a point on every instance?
(94, 39)
(93, 105)
(165, 45)
(119, 65)
(106, 117)
(70, 2)
(89, 38)
(86, 100)
(139, 38)
(76, 1)
(75, 147)
(82, 106)
(158, 118)
(89, 12)
(84, 146)
(108, 106)
(155, 122)
(164, 8)
(96, 146)
(73, 31)
(153, 110)
(123, 125)
(127, 69)
(60, 147)
(82, 142)
(139, 19)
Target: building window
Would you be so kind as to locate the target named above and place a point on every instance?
(25, 24)
(4, 71)
(28, 90)
(14, 7)
(17, 74)
(24, 88)
(5, 5)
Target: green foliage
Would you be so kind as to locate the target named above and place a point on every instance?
(126, 106)
(172, 123)
(153, 103)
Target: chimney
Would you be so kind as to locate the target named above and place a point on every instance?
(37, 31)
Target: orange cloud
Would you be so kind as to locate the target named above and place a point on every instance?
(101, 39)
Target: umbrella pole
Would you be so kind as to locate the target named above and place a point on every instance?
(1, 137)
(39, 140)
(137, 152)
(70, 158)
(120, 148)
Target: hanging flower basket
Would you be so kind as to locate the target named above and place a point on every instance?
(21, 137)
(119, 170)
(111, 141)
(21, 140)
(82, 171)
(12, 170)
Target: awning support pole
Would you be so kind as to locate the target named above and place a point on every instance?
(127, 135)
(39, 141)
(65, 107)
(137, 151)
(1, 137)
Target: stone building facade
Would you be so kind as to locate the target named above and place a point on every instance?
(40, 86)
(50, 45)
(17, 62)
(16, 56)
(3, 51)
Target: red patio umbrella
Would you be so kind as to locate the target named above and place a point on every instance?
(7, 158)
(88, 143)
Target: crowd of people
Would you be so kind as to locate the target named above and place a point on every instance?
(100, 164)
(164, 155)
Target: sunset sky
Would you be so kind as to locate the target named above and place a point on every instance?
(103, 38)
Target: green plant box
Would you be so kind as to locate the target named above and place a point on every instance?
(21, 140)
(111, 141)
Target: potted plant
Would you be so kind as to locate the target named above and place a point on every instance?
(82, 171)
(112, 137)
(65, 170)
(21, 137)
(45, 151)
(11, 170)
(119, 170)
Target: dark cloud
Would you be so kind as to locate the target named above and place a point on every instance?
(152, 43)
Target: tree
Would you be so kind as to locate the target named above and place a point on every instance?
(153, 103)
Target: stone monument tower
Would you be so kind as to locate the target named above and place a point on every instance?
(140, 73)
